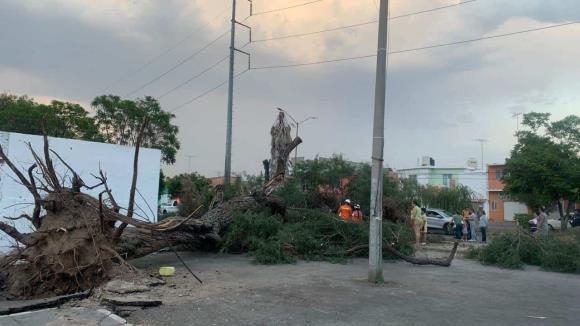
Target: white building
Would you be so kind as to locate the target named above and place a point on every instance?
(86, 158)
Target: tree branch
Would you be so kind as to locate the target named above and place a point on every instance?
(13, 233)
(131, 205)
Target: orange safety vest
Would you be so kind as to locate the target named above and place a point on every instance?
(345, 212)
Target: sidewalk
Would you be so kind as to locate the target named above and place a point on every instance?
(63, 317)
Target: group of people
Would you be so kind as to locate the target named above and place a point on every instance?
(466, 226)
(349, 212)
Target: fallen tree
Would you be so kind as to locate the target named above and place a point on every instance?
(77, 239)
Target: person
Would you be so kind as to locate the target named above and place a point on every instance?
(472, 225)
(424, 225)
(458, 221)
(465, 229)
(345, 211)
(417, 221)
(483, 226)
(357, 214)
(543, 225)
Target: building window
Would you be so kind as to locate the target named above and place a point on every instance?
(498, 175)
(493, 205)
(447, 179)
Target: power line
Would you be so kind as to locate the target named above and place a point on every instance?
(359, 24)
(182, 62)
(201, 73)
(206, 92)
(419, 48)
(164, 53)
(314, 63)
(285, 8)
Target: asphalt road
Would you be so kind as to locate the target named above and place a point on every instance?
(237, 292)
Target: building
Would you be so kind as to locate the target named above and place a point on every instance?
(86, 158)
(215, 181)
(501, 208)
(427, 174)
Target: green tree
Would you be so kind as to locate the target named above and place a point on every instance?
(58, 119)
(199, 185)
(118, 120)
(544, 166)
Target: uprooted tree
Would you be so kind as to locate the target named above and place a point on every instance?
(77, 239)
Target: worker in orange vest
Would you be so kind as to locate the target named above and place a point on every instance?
(345, 211)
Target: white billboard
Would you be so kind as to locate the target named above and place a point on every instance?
(85, 158)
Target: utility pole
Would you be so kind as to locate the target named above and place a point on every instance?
(376, 216)
(481, 142)
(228, 163)
(228, 160)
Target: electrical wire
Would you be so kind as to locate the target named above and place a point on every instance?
(286, 8)
(419, 48)
(359, 24)
(206, 92)
(164, 53)
(201, 73)
(181, 63)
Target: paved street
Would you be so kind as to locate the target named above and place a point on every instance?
(237, 292)
(63, 317)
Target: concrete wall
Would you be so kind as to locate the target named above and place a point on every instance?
(85, 157)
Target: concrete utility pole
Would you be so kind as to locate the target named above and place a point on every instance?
(228, 163)
(376, 216)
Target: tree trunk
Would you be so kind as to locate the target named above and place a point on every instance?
(203, 233)
(563, 217)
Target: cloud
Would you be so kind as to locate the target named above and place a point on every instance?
(438, 100)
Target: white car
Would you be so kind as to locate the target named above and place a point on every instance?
(169, 208)
(438, 219)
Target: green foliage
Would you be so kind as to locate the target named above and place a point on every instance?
(558, 253)
(544, 166)
(161, 184)
(523, 220)
(453, 199)
(309, 235)
(562, 255)
(61, 119)
(119, 121)
(317, 172)
(199, 189)
(116, 121)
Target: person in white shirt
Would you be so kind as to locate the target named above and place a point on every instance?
(483, 221)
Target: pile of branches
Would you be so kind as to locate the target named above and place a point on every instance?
(312, 234)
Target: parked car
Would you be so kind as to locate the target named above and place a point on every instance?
(169, 208)
(555, 224)
(574, 218)
(439, 219)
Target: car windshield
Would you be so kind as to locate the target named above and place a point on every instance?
(447, 213)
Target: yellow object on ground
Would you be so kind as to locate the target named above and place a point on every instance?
(167, 271)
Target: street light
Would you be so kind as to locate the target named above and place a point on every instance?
(297, 123)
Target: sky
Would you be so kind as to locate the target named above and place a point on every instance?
(439, 101)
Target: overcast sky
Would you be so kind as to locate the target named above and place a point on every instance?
(438, 100)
